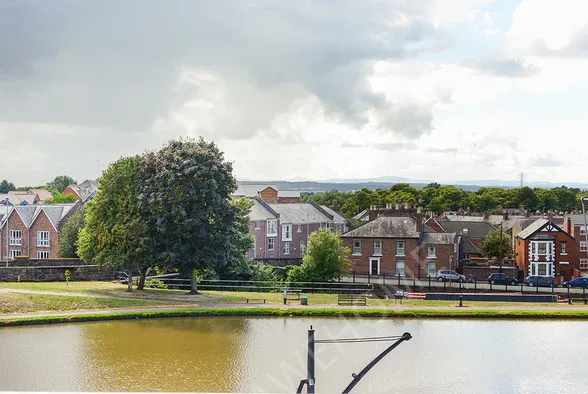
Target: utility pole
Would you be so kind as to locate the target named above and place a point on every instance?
(500, 250)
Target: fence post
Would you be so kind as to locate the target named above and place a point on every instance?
(353, 276)
(569, 292)
(536, 289)
(369, 277)
(413, 283)
(460, 287)
(475, 286)
(521, 288)
(398, 278)
(552, 290)
(383, 278)
(444, 286)
(429, 283)
(490, 286)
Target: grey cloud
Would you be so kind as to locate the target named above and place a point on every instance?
(502, 66)
(116, 65)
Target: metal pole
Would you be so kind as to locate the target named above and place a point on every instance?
(310, 361)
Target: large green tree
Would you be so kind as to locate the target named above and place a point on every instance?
(497, 246)
(61, 182)
(117, 232)
(68, 236)
(6, 187)
(186, 190)
(60, 198)
(325, 258)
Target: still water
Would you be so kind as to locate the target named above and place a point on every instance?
(269, 355)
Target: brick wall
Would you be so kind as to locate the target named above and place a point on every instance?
(14, 223)
(35, 270)
(288, 200)
(42, 223)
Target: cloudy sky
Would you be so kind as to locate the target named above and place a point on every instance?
(298, 89)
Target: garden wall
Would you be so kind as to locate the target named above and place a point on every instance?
(52, 271)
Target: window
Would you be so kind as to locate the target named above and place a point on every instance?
(357, 246)
(541, 269)
(253, 251)
(431, 269)
(542, 248)
(583, 264)
(400, 268)
(43, 238)
(299, 230)
(270, 244)
(378, 247)
(564, 248)
(15, 253)
(256, 225)
(302, 247)
(286, 247)
(431, 250)
(43, 254)
(272, 228)
(582, 230)
(330, 225)
(399, 248)
(583, 246)
(533, 248)
(15, 237)
(286, 232)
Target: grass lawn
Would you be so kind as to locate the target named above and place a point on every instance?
(13, 303)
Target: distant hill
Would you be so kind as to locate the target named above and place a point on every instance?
(350, 185)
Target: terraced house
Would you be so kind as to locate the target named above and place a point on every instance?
(33, 230)
(281, 230)
(395, 241)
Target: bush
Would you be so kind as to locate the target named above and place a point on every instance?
(264, 273)
(155, 283)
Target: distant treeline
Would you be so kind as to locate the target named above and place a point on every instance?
(437, 198)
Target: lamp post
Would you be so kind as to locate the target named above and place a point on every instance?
(584, 200)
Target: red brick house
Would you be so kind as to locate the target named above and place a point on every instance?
(33, 230)
(399, 245)
(85, 191)
(545, 249)
(575, 226)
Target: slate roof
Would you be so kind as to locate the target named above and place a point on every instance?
(438, 238)
(289, 193)
(55, 213)
(338, 218)
(386, 227)
(470, 247)
(532, 228)
(17, 199)
(577, 220)
(363, 214)
(259, 212)
(299, 213)
(475, 229)
(252, 190)
(43, 194)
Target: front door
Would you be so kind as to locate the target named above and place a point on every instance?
(375, 266)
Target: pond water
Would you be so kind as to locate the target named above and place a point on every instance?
(230, 354)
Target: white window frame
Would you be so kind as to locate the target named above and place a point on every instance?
(583, 264)
(302, 248)
(534, 268)
(254, 250)
(329, 225)
(377, 249)
(400, 248)
(256, 225)
(357, 247)
(15, 238)
(583, 246)
(15, 253)
(43, 254)
(273, 226)
(582, 230)
(539, 245)
(400, 268)
(286, 248)
(564, 248)
(42, 241)
(286, 232)
(271, 244)
(431, 251)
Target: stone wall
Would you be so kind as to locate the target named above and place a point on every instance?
(280, 262)
(52, 271)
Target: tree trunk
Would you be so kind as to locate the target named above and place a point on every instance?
(130, 282)
(193, 284)
(141, 283)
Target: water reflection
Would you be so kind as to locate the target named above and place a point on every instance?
(269, 355)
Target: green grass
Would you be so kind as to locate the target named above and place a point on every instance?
(324, 312)
(15, 303)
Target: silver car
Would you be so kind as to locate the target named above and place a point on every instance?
(452, 276)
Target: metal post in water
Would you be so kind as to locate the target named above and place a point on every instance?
(310, 361)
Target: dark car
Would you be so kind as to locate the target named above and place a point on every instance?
(502, 279)
(576, 282)
(539, 281)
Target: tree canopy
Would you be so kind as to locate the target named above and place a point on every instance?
(6, 186)
(497, 246)
(68, 236)
(61, 182)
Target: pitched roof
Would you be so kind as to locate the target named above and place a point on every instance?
(386, 227)
(259, 211)
(469, 246)
(289, 193)
(55, 213)
(363, 214)
(17, 199)
(299, 213)
(533, 228)
(338, 218)
(43, 194)
(438, 238)
(472, 229)
(577, 220)
(252, 190)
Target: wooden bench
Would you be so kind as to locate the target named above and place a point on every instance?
(570, 300)
(291, 295)
(259, 300)
(351, 299)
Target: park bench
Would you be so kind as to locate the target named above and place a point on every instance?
(351, 299)
(398, 295)
(584, 299)
(256, 300)
(291, 295)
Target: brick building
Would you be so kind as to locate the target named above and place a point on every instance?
(268, 193)
(281, 230)
(395, 241)
(575, 226)
(545, 249)
(85, 191)
(33, 230)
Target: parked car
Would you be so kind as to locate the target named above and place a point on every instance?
(501, 279)
(452, 276)
(577, 282)
(539, 281)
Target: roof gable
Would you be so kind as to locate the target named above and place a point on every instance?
(541, 226)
